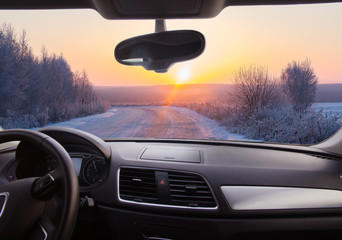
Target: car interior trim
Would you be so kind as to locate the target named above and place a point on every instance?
(118, 9)
(5, 195)
(44, 232)
(277, 198)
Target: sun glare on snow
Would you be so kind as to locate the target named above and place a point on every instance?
(183, 75)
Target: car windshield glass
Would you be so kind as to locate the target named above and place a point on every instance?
(267, 74)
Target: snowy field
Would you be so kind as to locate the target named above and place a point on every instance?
(162, 122)
(334, 108)
(151, 121)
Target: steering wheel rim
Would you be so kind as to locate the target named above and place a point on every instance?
(64, 176)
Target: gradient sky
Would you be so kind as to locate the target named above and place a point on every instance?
(239, 36)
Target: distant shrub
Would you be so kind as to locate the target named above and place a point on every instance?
(254, 88)
(211, 109)
(278, 124)
(299, 82)
(283, 124)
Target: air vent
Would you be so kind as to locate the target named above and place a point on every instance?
(165, 188)
(138, 185)
(190, 190)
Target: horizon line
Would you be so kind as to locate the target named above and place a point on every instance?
(185, 84)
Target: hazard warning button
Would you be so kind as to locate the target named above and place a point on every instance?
(162, 181)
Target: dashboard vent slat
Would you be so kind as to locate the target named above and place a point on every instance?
(190, 190)
(138, 185)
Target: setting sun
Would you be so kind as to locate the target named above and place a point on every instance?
(183, 75)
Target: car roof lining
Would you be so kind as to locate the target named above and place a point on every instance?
(117, 9)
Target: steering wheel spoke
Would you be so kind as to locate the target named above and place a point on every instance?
(44, 229)
(19, 209)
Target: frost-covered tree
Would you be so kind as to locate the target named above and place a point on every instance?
(299, 83)
(36, 90)
(85, 96)
(8, 58)
(254, 88)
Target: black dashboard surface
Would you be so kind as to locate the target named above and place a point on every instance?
(151, 186)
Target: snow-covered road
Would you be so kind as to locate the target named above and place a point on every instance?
(151, 121)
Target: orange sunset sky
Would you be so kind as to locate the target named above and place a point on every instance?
(239, 36)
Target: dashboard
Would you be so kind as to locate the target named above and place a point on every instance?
(188, 189)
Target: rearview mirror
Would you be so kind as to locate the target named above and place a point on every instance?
(158, 51)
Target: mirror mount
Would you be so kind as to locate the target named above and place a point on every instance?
(160, 26)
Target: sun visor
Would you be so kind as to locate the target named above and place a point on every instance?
(161, 9)
(128, 7)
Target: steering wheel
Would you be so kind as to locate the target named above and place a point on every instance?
(25, 204)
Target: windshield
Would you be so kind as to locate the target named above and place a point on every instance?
(268, 73)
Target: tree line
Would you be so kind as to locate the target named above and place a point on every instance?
(35, 90)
